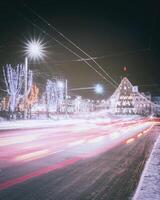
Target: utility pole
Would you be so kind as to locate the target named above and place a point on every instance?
(66, 87)
(35, 50)
(25, 87)
(66, 96)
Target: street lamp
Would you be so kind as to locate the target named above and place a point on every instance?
(98, 89)
(34, 50)
(60, 84)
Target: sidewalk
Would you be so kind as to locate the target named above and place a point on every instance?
(149, 185)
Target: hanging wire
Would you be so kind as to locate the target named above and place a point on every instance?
(64, 46)
(71, 42)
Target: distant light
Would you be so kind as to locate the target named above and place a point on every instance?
(60, 84)
(151, 117)
(125, 68)
(139, 135)
(68, 97)
(130, 140)
(98, 89)
(35, 49)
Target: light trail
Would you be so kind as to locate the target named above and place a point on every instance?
(139, 135)
(39, 172)
(130, 140)
(79, 141)
(31, 156)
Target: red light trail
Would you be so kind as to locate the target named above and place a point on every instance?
(62, 145)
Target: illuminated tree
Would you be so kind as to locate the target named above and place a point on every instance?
(54, 95)
(14, 81)
(33, 95)
(32, 98)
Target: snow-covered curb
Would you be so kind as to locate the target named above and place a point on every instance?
(149, 185)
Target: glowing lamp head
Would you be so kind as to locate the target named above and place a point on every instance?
(98, 89)
(35, 49)
(60, 84)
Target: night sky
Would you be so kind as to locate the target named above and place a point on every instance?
(124, 33)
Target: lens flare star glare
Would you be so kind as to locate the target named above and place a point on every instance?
(35, 49)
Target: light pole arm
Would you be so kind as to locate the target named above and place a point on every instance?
(84, 88)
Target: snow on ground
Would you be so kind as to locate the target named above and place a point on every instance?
(149, 185)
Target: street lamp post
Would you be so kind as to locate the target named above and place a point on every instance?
(66, 97)
(98, 89)
(66, 88)
(35, 50)
(25, 87)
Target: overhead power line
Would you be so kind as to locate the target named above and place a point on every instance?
(113, 55)
(64, 46)
(71, 42)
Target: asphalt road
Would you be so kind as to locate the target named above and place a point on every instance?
(89, 160)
